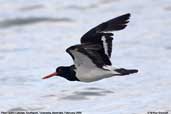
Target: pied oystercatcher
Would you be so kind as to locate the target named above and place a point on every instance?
(92, 57)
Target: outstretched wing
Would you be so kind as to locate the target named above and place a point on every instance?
(101, 33)
(88, 56)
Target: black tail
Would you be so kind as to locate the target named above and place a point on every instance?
(123, 71)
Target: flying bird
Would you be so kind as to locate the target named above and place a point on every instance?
(92, 57)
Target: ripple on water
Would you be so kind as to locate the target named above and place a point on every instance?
(17, 109)
(167, 8)
(31, 7)
(87, 94)
(30, 20)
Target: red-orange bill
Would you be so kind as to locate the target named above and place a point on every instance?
(50, 75)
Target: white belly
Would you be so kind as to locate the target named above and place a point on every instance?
(86, 69)
(92, 75)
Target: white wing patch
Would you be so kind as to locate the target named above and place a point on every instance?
(105, 45)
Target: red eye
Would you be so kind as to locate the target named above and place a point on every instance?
(59, 71)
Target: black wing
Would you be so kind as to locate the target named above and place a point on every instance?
(88, 55)
(98, 34)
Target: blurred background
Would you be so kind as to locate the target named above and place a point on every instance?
(35, 33)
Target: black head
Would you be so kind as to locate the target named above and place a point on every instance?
(65, 72)
(60, 71)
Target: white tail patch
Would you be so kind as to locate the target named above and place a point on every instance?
(107, 67)
(110, 68)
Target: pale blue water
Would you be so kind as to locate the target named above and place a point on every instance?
(35, 34)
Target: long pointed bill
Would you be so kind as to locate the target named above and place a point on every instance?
(50, 75)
